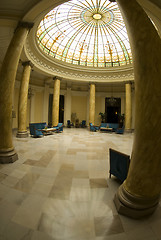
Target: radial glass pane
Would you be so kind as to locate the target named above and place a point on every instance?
(87, 33)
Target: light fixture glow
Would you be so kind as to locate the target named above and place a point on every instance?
(97, 16)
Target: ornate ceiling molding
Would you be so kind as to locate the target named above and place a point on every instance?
(66, 71)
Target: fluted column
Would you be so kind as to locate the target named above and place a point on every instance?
(7, 80)
(23, 97)
(56, 96)
(138, 196)
(92, 103)
(128, 108)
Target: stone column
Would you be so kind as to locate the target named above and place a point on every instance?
(92, 103)
(23, 97)
(46, 103)
(56, 96)
(128, 108)
(7, 80)
(139, 195)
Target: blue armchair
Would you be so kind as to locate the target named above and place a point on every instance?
(83, 124)
(93, 128)
(120, 130)
(59, 127)
(119, 164)
(35, 129)
(68, 124)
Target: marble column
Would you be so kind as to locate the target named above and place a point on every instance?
(23, 98)
(92, 103)
(139, 195)
(56, 96)
(128, 108)
(7, 80)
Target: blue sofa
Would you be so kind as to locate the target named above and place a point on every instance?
(106, 126)
(34, 129)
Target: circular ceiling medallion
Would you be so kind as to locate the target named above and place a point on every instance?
(86, 33)
(97, 16)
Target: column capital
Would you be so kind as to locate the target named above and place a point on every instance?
(27, 63)
(128, 82)
(22, 24)
(57, 78)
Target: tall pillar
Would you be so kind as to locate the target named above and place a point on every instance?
(128, 108)
(46, 103)
(7, 80)
(138, 196)
(68, 100)
(23, 97)
(56, 96)
(92, 103)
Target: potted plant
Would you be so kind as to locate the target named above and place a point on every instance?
(121, 120)
(102, 117)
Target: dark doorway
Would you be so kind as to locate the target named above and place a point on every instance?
(112, 110)
(61, 109)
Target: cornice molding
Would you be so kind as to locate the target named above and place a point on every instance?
(52, 68)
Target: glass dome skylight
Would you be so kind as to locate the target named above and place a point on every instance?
(85, 32)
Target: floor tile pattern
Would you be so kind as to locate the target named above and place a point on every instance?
(60, 189)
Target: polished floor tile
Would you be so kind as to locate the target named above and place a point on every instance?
(60, 189)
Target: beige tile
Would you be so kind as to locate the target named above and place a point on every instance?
(105, 226)
(80, 183)
(10, 181)
(29, 213)
(15, 231)
(26, 183)
(7, 211)
(2, 176)
(98, 183)
(81, 174)
(80, 194)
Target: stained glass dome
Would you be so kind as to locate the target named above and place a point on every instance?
(85, 32)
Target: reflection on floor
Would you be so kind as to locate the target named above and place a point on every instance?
(60, 189)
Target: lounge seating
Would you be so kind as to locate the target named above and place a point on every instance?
(120, 130)
(59, 127)
(106, 127)
(119, 164)
(83, 124)
(35, 129)
(93, 128)
(40, 129)
(69, 124)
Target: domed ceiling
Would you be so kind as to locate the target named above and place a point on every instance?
(85, 33)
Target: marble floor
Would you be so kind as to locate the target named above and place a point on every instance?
(60, 189)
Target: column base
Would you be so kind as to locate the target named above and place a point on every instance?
(22, 134)
(134, 206)
(8, 156)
